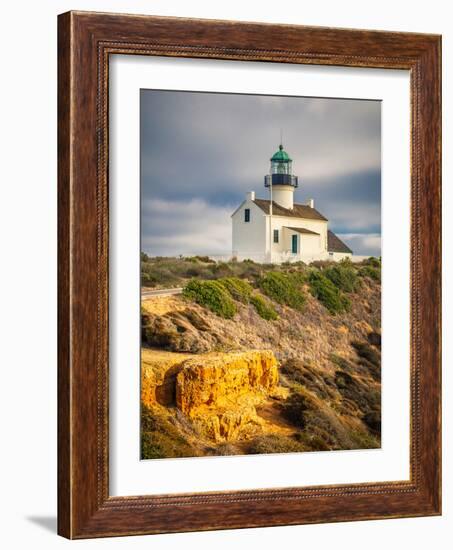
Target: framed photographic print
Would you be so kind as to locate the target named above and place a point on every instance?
(249, 275)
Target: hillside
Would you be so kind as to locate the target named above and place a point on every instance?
(263, 360)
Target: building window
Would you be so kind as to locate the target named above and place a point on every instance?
(294, 244)
(247, 215)
(275, 235)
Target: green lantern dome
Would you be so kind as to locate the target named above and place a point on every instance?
(281, 170)
(281, 155)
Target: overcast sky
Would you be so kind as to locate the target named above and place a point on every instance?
(201, 152)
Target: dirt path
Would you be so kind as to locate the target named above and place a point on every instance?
(147, 294)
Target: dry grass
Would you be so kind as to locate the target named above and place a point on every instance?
(329, 367)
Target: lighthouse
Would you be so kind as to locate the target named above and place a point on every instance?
(280, 180)
(277, 230)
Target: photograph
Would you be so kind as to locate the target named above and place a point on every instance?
(260, 274)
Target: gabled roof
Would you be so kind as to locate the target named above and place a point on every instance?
(335, 244)
(298, 211)
(302, 230)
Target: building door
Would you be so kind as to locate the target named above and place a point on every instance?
(294, 244)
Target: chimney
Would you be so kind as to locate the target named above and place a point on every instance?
(250, 196)
(311, 203)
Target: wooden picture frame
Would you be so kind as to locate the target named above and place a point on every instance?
(85, 42)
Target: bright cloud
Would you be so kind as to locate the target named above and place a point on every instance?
(188, 228)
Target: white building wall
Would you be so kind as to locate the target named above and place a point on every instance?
(318, 226)
(250, 239)
(311, 247)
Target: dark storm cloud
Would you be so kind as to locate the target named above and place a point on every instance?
(201, 152)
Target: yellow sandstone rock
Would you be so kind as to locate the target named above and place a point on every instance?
(219, 391)
(219, 380)
(158, 377)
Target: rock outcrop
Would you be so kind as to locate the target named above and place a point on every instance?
(219, 393)
(221, 379)
(158, 377)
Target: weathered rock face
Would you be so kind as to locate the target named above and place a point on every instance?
(219, 380)
(228, 424)
(216, 391)
(181, 331)
(158, 377)
(219, 392)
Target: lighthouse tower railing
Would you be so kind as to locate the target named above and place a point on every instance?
(280, 179)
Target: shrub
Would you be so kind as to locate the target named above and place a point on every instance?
(374, 338)
(263, 307)
(283, 289)
(343, 277)
(321, 264)
(249, 270)
(371, 272)
(205, 259)
(239, 289)
(273, 443)
(299, 278)
(319, 383)
(357, 390)
(148, 280)
(200, 271)
(294, 409)
(312, 442)
(373, 420)
(320, 426)
(341, 362)
(222, 269)
(373, 262)
(211, 294)
(160, 438)
(367, 352)
(328, 294)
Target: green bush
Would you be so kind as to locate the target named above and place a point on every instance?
(328, 294)
(373, 262)
(211, 294)
(263, 307)
(283, 289)
(299, 278)
(343, 277)
(222, 269)
(239, 289)
(371, 272)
